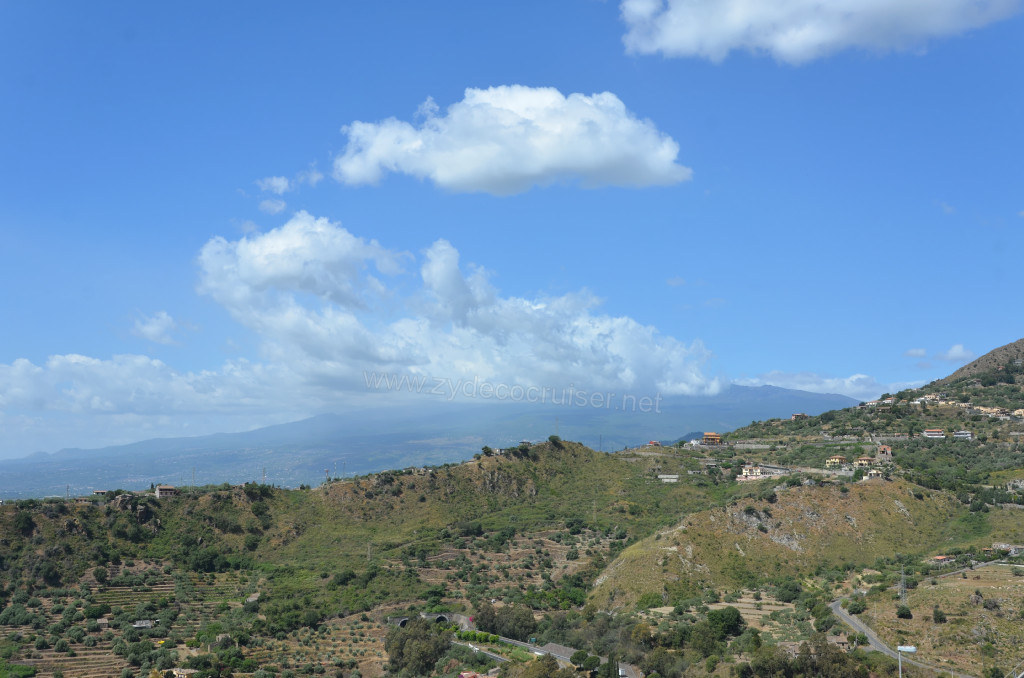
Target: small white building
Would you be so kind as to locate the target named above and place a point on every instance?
(752, 471)
(963, 435)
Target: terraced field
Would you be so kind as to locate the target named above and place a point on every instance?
(521, 565)
(197, 599)
(87, 662)
(353, 641)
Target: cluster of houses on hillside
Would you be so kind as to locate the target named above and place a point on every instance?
(941, 399)
(883, 456)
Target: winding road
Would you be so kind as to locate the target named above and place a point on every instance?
(876, 644)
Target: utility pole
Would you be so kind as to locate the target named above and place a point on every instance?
(903, 586)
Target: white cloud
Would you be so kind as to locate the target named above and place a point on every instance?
(156, 328)
(312, 176)
(915, 353)
(676, 281)
(326, 302)
(273, 206)
(73, 400)
(859, 386)
(77, 383)
(505, 140)
(947, 208)
(956, 354)
(797, 31)
(275, 185)
(325, 305)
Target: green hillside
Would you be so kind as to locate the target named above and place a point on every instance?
(552, 541)
(803, 531)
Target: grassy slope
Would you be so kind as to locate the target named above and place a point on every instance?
(808, 527)
(974, 637)
(334, 524)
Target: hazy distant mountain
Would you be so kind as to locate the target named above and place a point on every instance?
(364, 441)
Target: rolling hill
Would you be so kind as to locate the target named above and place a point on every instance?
(377, 439)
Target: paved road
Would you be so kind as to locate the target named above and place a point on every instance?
(876, 644)
(480, 649)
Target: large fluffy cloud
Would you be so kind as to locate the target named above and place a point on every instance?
(797, 31)
(326, 307)
(504, 140)
(325, 302)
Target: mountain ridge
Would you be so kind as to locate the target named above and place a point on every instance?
(364, 441)
(993, 360)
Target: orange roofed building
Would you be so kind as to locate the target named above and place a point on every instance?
(711, 438)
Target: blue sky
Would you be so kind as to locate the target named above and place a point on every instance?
(219, 217)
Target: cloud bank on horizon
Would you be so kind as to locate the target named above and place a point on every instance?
(505, 140)
(329, 306)
(799, 31)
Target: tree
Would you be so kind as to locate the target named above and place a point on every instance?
(704, 639)
(546, 667)
(578, 657)
(856, 605)
(903, 612)
(726, 622)
(414, 649)
(609, 669)
(770, 661)
(23, 523)
(486, 617)
(938, 616)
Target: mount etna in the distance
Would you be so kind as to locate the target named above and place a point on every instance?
(365, 441)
